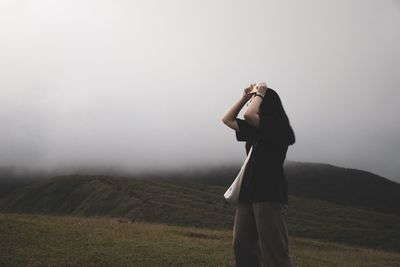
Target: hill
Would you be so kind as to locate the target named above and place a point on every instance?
(345, 186)
(196, 205)
(41, 240)
(12, 178)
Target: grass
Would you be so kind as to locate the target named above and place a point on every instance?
(197, 205)
(47, 240)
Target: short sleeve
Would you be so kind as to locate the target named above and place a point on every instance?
(245, 130)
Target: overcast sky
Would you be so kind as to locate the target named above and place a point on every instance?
(144, 84)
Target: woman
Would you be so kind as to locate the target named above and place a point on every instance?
(260, 233)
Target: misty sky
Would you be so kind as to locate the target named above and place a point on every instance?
(144, 84)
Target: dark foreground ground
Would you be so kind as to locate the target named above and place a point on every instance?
(43, 240)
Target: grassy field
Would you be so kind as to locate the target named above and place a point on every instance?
(46, 240)
(197, 205)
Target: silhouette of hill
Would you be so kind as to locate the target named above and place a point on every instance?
(193, 204)
(12, 178)
(322, 181)
(343, 186)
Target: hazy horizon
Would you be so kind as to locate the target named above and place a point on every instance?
(143, 85)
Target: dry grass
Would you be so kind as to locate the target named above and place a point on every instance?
(43, 240)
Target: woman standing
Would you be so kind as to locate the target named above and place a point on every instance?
(260, 233)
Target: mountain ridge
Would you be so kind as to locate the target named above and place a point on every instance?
(344, 186)
(194, 204)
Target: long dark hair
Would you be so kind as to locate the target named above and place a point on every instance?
(272, 106)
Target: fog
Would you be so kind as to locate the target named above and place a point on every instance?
(141, 85)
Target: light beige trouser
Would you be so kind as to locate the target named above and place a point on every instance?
(260, 235)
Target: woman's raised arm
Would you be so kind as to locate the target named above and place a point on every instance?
(230, 115)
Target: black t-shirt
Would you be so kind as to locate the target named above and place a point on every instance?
(264, 178)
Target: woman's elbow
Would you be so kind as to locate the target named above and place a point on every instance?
(227, 121)
(224, 120)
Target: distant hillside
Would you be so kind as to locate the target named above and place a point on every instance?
(345, 186)
(12, 178)
(190, 204)
(136, 199)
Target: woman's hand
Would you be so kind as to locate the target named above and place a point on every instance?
(247, 92)
(262, 88)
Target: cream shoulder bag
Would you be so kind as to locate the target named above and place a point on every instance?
(232, 194)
